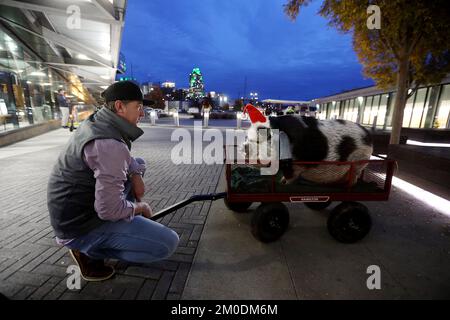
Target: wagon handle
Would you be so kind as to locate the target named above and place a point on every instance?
(178, 205)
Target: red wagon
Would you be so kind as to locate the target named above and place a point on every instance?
(348, 222)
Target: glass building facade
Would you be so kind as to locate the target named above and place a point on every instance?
(41, 52)
(428, 107)
(28, 88)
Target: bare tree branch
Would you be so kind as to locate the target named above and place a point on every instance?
(387, 44)
(414, 43)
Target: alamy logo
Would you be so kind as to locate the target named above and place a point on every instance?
(374, 280)
(264, 148)
(74, 280)
(74, 19)
(374, 20)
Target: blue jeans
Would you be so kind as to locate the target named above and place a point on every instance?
(138, 241)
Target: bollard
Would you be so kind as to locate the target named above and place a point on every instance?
(176, 118)
(205, 118)
(153, 117)
(239, 119)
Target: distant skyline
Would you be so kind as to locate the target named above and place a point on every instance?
(233, 39)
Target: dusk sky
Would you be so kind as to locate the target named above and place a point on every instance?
(233, 39)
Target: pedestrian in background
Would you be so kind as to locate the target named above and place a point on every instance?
(64, 107)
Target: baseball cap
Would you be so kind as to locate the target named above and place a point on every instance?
(125, 90)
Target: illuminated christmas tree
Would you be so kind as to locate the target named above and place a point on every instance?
(196, 85)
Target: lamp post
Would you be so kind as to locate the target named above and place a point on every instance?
(239, 119)
(152, 117)
(205, 118)
(176, 118)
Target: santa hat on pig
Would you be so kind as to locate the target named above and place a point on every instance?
(257, 119)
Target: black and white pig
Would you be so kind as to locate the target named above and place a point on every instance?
(313, 140)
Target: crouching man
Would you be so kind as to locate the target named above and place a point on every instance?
(96, 187)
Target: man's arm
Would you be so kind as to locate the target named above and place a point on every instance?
(110, 159)
(136, 172)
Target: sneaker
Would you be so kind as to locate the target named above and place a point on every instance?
(91, 270)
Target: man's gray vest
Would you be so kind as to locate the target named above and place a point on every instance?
(71, 188)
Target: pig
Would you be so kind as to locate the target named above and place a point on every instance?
(313, 140)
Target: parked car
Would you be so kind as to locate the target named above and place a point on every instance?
(193, 110)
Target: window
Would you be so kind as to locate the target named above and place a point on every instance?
(329, 106)
(334, 113)
(427, 108)
(347, 110)
(353, 111)
(381, 117)
(390, 111)
(418, 108)
(443, 110)
(407, 112)
(367, 107)
(374, 109)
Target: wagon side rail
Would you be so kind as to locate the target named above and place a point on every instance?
(377, 171)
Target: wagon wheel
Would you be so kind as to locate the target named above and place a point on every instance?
(237, 206)
(317, 205)
(349, 222)
(270, 221)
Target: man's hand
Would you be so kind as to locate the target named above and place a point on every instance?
(144, 209)
(137, 186)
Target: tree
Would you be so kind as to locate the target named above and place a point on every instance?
(157, 96)
(409, 49)
(208, 101)
(196, 85)
(238, 105)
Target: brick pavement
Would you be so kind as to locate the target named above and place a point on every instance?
(33, 266)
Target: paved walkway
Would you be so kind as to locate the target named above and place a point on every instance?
(409, 241)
